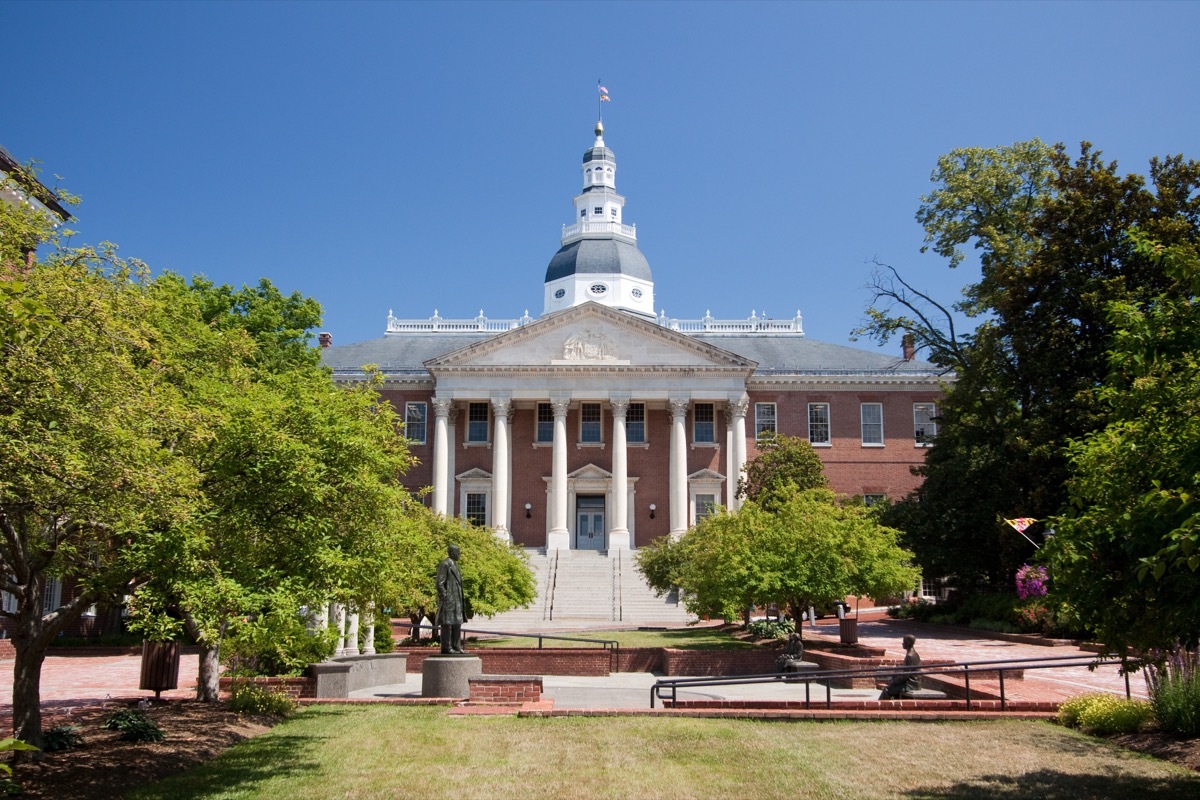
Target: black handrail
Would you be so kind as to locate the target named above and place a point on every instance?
(999, 666)
(612, 645)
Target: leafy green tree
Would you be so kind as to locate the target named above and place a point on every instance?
(1126, 554)
(1048, 229)
(781, 460)
(808, 548)
(90, 428)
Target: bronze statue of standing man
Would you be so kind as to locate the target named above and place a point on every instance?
(452, 605)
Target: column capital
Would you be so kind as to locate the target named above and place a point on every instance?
(619, 406)
(560, 406)
(679, 408)
(442, 406)
(739, 407)
(502, 406)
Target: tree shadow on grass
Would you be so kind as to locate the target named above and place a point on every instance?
(242, 767)
(1055, 785)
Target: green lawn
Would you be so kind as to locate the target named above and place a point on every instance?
(701, 638)
(417, 752)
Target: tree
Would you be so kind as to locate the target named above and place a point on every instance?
(1126, 554)
(781, 460)
(1049, 231)
(808, 548)
(89, 427)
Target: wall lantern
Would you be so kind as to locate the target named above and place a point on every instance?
(528, 510)
(652, 509)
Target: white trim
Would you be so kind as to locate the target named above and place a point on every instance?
(828, 441)
(862, 418)
(758, 430)
(424, 420)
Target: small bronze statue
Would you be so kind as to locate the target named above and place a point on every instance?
(789, 660)
(452, 604)
(904, 681)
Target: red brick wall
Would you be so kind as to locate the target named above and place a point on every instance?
(526, 661)
(683, 663)
(508, 690)
(296, 688)
(851, 468)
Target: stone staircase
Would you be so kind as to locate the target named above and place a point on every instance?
(583, 588)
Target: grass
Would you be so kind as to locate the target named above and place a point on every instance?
(703, 638)
(389, 752)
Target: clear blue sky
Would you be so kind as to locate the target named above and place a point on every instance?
(416, 156)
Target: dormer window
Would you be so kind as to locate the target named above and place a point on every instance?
(598, 210)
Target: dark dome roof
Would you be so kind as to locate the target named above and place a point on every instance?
(599, 154)
(595, 256)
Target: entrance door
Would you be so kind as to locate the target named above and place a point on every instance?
(589, 522)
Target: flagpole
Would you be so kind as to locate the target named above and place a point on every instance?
(599, 102)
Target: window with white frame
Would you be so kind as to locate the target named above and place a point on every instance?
(477, 422)
(635, 423)
(52, 597)
(415, 421)
(589, 423)
(704, 425)
(476, 511)
(872, 423)
(924, 427)
(705, 505)
(764, 420)
(545, 423)
(874, 499)
(818, 423)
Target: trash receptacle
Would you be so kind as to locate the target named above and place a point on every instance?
(848, 628)
(160, 667)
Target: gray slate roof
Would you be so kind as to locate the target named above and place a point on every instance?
(598, 256)
(405, 354)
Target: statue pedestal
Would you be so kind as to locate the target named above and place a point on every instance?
(447, 675)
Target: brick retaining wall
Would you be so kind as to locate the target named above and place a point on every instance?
(593, 662)
(506, 690)
(296, 688)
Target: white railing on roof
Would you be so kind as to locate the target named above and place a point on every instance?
(580, 228)
(481, 324)
(437, 324)
(752, 324)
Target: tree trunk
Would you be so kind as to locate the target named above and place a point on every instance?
(208, 682)
(27, 690)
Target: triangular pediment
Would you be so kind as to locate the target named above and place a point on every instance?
(706, 475)
(475, 474)
(590, 473)
(591, 335)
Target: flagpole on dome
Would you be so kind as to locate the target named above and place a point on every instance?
(602, 98)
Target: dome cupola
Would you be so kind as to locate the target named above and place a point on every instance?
(599, 260)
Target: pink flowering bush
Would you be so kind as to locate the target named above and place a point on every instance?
(1031, 582)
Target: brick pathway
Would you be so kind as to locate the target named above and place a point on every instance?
(87, 680)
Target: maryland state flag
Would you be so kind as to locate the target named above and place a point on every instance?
(604, 95)
(1021, 523)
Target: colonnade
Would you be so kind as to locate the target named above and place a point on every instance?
(558, 535)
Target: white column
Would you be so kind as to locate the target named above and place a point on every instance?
(351, 641)
(509, 507)
(618, 530)
(738, 409)
(501, 406)
(679, 501)
(559, 537)
(369, 643)
(339, 627)
(451, 487)
(441, 450)
(730, 471)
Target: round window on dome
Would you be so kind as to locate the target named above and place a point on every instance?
(637, 293)
(560, 294)
(598, 288)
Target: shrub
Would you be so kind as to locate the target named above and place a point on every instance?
(247, 698)
(134, 726)
(1034, 618)
(7, 785)
(998, 625)
(1175, 693)
(384, 643)
(61, 737)
(771, 629)
(921, 610)
(1105, 714)
(276, 642)
(1031, 582)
